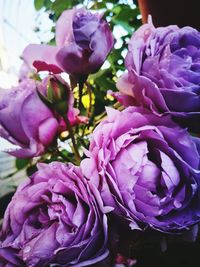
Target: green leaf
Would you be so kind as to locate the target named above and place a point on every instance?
(52, 42)
(47, 4)
(21, 163)
(60, 5)
(124, 15)
(30, 170)
(38, 4)
(98, 5)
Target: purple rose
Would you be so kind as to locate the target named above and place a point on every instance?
(146, 168)
(163, 72)
(83, 42)
(53, 218)
(26, 121)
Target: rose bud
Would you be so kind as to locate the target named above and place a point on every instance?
(83, 42)
(57, 94)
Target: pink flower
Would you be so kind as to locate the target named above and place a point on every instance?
(26, 121)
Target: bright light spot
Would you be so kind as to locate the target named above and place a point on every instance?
(106, 65)
(64, 134)
(65, 145)
(119, 31)
(6, 145)
(119, 73)
(129, 2)
(124, 52)
(65, 77)
(7, 80)
(44, 23)
(120, 61)
(109, 5)
(118, 43)
(43, 74)
(110, 97)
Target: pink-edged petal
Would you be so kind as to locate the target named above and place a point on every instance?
(34, 149)
(125, 100)
(124, 85)
(34, 112)
(48, 130)
(36, 52)
(75, 119)
(64, 31)
(82, 119)
(137, 47)
(147, 93)
(89, 170)
(100, 49)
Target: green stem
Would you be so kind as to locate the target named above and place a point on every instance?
(80, 93)
(81, 81)
(71, 134)
(73, 81)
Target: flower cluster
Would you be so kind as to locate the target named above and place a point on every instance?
(142, 167)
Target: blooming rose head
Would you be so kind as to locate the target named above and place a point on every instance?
(146, 168)
(163, 72)
(26, 121)
(83, 42)
(53, 218)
